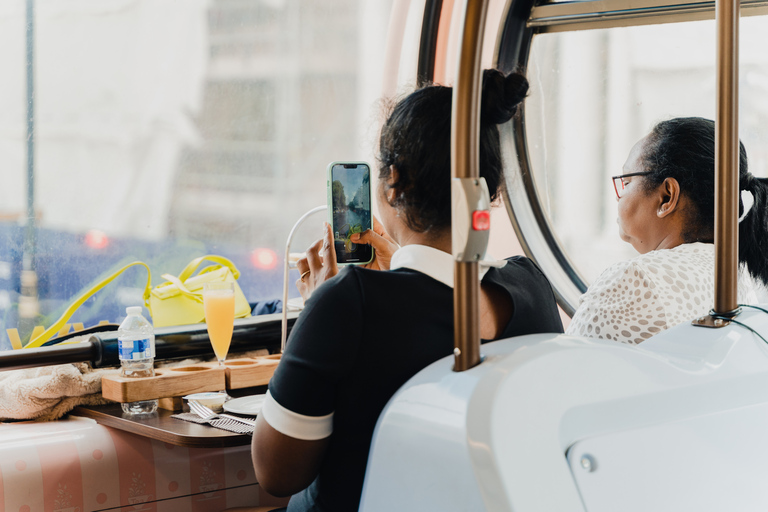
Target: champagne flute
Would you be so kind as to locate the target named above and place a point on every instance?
(219, 305)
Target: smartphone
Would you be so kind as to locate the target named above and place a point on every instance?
(349, 210)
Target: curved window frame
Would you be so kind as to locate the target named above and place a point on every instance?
(522, 21)
(428, 42)
(525, 209)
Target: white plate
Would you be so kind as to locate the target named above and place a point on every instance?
(250, 405)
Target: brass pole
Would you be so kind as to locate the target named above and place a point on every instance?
(465, 163)
(727, 157)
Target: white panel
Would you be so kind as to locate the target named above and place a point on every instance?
(711, 463)
(420, 460)
(677, 423)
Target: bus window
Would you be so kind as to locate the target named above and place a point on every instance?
(595, 93)
(168, 130)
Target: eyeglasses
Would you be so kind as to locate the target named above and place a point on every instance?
(618, 181)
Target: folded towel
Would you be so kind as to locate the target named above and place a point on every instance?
(49, 392)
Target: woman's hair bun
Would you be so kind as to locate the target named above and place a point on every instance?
(501, 96)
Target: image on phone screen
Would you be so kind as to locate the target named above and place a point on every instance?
(350, 196)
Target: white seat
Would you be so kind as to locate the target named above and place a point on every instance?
(560, 423)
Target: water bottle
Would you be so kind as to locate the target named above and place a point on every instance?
(136, 343)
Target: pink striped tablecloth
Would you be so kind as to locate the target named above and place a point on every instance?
(77, 465)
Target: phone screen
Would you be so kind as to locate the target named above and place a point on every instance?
(351, 210)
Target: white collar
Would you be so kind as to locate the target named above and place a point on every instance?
(433, 262)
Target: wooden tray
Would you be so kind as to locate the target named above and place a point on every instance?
(249, 372)
(176, 382)
(167, 382)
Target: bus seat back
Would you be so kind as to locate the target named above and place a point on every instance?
(562, 423)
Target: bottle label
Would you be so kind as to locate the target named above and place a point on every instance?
(135, 349)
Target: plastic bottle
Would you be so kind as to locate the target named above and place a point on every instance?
(136, 343)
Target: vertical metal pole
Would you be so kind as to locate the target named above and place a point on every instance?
(465, 162)
(28, 300)
(29, 238)
(727, 157)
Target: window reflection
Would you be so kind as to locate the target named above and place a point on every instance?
(595, 93)
(167, 130)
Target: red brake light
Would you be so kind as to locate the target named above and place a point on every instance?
(96, 239)
(481, 220)
(264, 258)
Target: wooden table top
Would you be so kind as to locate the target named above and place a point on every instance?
(162, 427)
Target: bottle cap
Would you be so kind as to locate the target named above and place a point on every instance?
(133, 310)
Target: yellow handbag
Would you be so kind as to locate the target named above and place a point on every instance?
(179, 301)
(40, 340)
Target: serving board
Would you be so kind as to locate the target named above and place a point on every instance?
(170, 384)
(252, 371)
(167, 382)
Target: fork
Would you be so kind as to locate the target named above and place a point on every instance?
(207, 414)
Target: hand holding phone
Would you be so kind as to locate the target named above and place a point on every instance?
(383, 245)
(319, 262)
(349, 210)
(318, 265)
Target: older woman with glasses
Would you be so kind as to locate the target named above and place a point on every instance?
(666, 205)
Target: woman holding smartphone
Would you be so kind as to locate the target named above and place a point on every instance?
(364, 333)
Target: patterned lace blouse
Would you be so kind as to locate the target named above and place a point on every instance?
(635, 299)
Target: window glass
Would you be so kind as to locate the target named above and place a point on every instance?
(167, 130)
(595, 93)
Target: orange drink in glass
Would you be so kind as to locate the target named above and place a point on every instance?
(219, 304)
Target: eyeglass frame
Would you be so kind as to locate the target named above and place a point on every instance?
(628, 175)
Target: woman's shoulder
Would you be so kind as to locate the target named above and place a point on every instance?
(356, 283)
(533, 300)
(519, 274)
(693, 257)
(683, 252)
(687, 261)
(344, 287)
(680, 251)
(686, 269)
(516, 272)
(518, 265)
(620, 271)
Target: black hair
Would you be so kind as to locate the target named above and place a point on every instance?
(416, 140)
(684, 149)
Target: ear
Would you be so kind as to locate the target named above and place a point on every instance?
(669, 192)
(390, 191)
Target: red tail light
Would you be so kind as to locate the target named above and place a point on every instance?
(264, 258)
(96, 239)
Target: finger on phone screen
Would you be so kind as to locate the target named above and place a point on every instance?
(360, 238)
(370, 237)
(329, 251)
